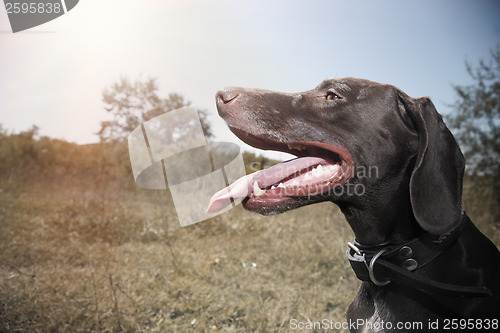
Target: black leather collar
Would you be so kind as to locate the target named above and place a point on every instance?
(399, 263)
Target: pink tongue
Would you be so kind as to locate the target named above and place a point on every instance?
(264, 178)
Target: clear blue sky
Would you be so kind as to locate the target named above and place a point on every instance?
(53, 75)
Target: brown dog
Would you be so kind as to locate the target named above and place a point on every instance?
(419, 255)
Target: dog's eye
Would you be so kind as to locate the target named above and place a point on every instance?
(331, 95)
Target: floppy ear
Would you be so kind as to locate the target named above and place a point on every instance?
(436, 181)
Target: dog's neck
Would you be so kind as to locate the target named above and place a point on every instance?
(383, 214)
(374, 225)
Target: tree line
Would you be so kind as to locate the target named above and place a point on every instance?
(475, 122)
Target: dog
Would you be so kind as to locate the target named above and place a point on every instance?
(418, 254)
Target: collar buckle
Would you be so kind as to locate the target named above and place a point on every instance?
(369, 265)
(355, 248)
(370, 270)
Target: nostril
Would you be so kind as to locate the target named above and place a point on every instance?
(226, 95)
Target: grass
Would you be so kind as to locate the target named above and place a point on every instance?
(76, 257)
(90, 256)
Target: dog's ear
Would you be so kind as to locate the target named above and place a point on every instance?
(436, 180)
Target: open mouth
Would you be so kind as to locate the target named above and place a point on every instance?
(316, 171)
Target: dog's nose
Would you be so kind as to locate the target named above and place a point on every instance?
(227, 95)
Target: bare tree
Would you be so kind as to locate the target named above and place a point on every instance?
(132, 103)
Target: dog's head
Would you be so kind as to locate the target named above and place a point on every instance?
(358, 143)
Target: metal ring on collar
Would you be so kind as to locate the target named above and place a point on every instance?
(370, 270)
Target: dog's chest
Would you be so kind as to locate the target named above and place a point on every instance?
(382, 318)
(374, 324)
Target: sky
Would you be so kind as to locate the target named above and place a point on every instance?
(53, 75)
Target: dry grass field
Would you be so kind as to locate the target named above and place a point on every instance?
(96, 258)
(82, 249)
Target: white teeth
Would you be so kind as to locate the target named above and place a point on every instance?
(256, 189)
(318, 171)
(321, 171)
(317, 174)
